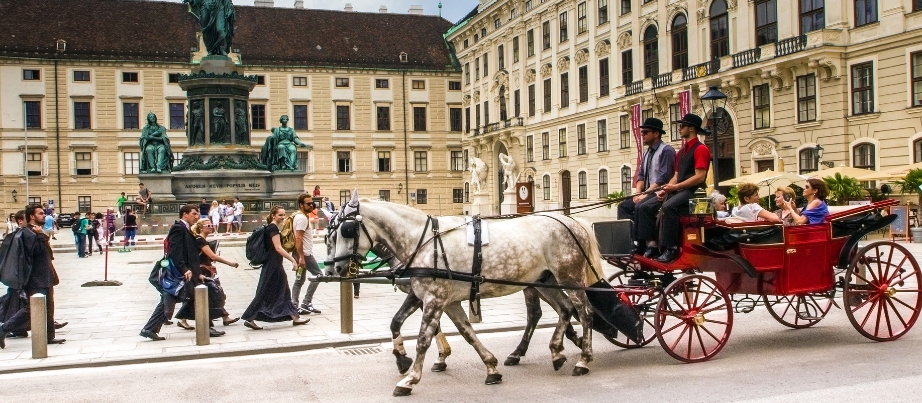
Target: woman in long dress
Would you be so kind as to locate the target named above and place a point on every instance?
(272, 302)
(216, 296)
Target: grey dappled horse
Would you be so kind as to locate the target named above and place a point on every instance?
(520, 249)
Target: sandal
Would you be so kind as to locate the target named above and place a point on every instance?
(184, 325)
(252, 325)
(228, 322)
(300, 322)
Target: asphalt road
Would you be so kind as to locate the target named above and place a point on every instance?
(763, 362)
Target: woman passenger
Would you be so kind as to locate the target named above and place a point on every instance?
(815, 212)
(750, 210)
(719, 202)
(782, 195)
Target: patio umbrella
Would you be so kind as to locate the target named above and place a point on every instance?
(767, 180)
(856, 173)
(891, 173)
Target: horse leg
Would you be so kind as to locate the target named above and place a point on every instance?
(459, 317)
(410, 305)
(444, 351)
(533, 315)
(559, 300)
(584, 309)
(428, 328)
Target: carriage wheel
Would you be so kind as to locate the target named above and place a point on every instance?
(645, 305)
(798, 311)
(693, 318)
(882, 291)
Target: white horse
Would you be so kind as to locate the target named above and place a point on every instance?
(520, 250)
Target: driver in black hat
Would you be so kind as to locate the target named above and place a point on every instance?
(657, 167)
(692, 162)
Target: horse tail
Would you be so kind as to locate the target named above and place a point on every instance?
(593, 265)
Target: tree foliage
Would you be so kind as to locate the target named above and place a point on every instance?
(911, 182)
(842, 188)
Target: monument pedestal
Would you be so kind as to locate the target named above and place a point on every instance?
(160, 185)
(480, 205)
(508, 205)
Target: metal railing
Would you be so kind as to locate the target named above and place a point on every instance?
(747, 57)
(634, 88)
(790, 45)
(662, 80)
(701, 70)
(495, 126)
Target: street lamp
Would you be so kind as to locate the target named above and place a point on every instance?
(817, 155)
(717, 101)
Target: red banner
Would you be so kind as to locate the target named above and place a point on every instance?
(635, 128)
(684, 102)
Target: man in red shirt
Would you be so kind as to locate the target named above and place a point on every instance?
(691, 169)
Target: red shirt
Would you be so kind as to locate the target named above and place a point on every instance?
(702, 154)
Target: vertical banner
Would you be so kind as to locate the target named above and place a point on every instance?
(635, 128)
(684, 103)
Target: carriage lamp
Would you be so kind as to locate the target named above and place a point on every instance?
(14, 193)
(717, 100)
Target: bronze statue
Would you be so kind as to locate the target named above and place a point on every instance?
(156, 155)
(196, 124)
(219, 126)
(217, 19)
(280, 152)
(241, 124)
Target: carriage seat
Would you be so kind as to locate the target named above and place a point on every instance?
(727, 236)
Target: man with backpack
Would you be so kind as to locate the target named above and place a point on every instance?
(303, 252)
(78, 226)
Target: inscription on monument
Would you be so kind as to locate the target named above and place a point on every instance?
(251, 186)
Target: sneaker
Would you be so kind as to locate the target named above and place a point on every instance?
(306, 309)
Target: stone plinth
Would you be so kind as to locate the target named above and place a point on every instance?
(508, 205)
(159, 184)
(480, 204)
(217, 65)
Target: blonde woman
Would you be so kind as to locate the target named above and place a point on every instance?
(272, 302)
(783, 195)
(214, 214)
(216, 296)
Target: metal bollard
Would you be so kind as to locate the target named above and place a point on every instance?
(345, 307)
(39, 317)
(202, 321)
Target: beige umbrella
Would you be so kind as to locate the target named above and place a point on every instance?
(891, 173)
(767, 180)
(843, 170)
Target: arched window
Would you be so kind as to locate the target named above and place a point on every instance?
(808, 161)
(583, 185)
(546, 186)
(679, 42)
(863, 156)
(720, 29)
(766, 21)
(603, 183)
(626, 180)
(917, 151)
(467, 192)
(650, 53)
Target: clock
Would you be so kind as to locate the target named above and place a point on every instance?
(523, 192)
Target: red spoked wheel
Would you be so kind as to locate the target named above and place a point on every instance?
(882, 291)
(694, 318)
(645, 306)
(798, 311)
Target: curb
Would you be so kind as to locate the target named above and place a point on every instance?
(241, 352)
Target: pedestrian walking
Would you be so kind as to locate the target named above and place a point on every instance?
(50, 228)
(182, 252)
(272, 302)
(79, 229)
(216, 296)
(131, 227)
(93, 232)
(304, 254)
(238, 215)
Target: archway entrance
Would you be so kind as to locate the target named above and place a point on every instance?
(726, 146)
(565, 193)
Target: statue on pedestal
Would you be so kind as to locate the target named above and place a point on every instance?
(280, 151)
(217, 19)
(478, 174)
(509, 175)
(241, 124)
(219, 126)
(156, 155)
(196, 123)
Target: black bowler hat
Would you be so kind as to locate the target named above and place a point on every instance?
(693, 120)
(653, 124)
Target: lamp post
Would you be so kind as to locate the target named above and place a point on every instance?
(25, 128)
(717, 101)
(817, 156)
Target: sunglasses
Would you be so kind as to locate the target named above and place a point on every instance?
(681, 125)
(208, 226)
(646, 132)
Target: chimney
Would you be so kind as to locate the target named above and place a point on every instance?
(383, 9)
(417, 10)
(264, 3)
(348, 7)
(299, 3)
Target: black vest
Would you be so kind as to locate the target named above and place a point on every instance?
(686, 168)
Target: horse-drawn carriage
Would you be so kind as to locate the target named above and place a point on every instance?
(795, 271)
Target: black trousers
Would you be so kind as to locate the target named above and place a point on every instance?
(162, 313)
(670, 224)
(21, 321)
(643, 228)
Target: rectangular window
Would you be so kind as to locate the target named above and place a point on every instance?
(457, 195)
(581, 25)
(454, 86)
(603, 183)
(467, 119)
(300, 112)
(530, 149)
(132, 162)
(547, 96)
(303, 162)
(530, 43)
(81, 115)
(467, 73)
(563, 26)
(83, 163)
(545, 146)
(496, 23)
(419, 118)
(34, 164)
(865, 12)
(582, 185)
(33, 114)
(546, 187)
(761, 107)
(457, 161)
(130, 115)
(916, 61)
(477, 112)
(384, 117)
(863, 88)
(129, 77)
(486, 112)
(564, 90)
(603, 11)
(626, 180)
(258, 116)
(486, 64)
(84, 204)
(531, 100)
(584, 84)
(177, 116)
(299, 81)
(476, 68)
(384, 195)
(562, 142)
(384, 161)
(546, 35)
(344, 197)
(342, 82)
(501, 57)
(603, 77)
(916, 5)
(766, 21)
(602, 129)
(420, 161)
(343, 161)
(464, 160)
(625, 131)
(81, 75)
(808, 161)
(342, 117)
(674, 116)
(517, 103)
(806, 98)
(454, 119)
(580, 139)
(260, 80)
(31, 75)
(421, 196)
(382, 83)
(625, 6)
(515, 49)
(627, 67)
(419, 84)
(812, 15)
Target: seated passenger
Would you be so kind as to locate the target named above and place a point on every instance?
(815, 212)
(750, 210)
(719, 202)
(782, 195)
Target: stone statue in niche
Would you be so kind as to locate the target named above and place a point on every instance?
(241, 124)
(219, 125)
(509, 175)
(478, 174)
(156, 155)
(196, 124)
(280, 152)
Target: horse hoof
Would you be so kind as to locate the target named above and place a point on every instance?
(493, 379)
(403, 363)
(401, 391)
(580, 371)
(510, 361)
(439, 367)
(559, 363)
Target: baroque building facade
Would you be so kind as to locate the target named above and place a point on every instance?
(552, 83)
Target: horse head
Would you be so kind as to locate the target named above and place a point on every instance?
(348, 240)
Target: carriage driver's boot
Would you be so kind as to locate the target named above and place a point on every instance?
(671, 253)
(639, 248)
(652, 250)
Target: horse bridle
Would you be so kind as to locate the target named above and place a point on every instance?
(350, 224)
